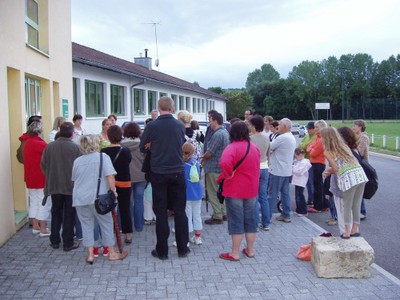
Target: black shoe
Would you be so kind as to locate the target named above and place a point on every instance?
(155, 254)
(55, 246)
(184, 254)
(75, 245)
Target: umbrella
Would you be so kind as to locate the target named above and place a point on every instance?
(116, 229)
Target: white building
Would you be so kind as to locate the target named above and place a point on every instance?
(104, 85)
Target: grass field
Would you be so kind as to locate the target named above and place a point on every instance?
(391, 129)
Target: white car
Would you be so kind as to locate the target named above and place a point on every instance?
(295, 128)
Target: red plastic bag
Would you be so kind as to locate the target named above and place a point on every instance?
(304, 252)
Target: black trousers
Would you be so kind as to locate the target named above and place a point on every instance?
(124, 204)
(169, 191)
(62, 215)
(319, 200)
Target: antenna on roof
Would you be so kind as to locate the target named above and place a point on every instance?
(157, 63)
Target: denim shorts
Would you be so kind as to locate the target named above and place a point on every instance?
(241, 215)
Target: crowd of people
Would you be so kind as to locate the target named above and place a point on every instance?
(158, 173)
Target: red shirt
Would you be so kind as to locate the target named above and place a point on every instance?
(316, 150)
(244, 183)
(33, 149)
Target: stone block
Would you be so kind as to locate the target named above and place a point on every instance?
(334, 257)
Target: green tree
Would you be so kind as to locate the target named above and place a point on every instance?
(216, 89)
(238, 102)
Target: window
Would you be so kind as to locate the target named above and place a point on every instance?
(33, 95)
(138, 102)
(198, 105)
(118, 100)
(32, 23)
(76, 95)
(194, 106)
(176, 104)
(188, 104)
(181, 102)
(203, 108)
(151, 101)
(163, 94)
(94, 97)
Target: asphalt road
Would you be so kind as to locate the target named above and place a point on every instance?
(381, 228)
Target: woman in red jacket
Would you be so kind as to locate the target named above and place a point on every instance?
(240, 189)
(35, 179)
(317, 159)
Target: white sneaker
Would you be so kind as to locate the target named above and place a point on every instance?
(196, 240)
(176, 245)
(44, 234)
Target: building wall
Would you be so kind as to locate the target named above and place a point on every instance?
(93, 124)
(52, 67)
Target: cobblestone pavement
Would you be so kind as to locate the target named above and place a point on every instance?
(30, 269)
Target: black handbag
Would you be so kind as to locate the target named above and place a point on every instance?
(104, 203)
(220, 189)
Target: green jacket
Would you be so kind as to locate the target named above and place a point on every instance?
(305, 142)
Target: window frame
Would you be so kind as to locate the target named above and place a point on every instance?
(37, 97)
(188, 104)
(32, 24)
(141, 101)
(100, 99)
(121, 102)
(151, 103)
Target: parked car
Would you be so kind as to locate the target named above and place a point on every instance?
(295, 128)
(302, 131)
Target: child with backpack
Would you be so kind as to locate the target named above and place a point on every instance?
(194, 192)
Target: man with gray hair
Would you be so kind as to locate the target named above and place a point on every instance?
(280, 169)
(57, 161)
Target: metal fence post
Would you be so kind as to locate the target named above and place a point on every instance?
(373, 139)
(384, 142)
(397, 143)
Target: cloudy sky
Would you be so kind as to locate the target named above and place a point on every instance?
(217, 43)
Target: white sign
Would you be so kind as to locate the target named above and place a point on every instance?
(323, 105)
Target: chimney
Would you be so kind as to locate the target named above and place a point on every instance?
(144, 61)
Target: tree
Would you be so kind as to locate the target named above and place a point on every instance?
(216, 89)
(238, 102)
(267, 73)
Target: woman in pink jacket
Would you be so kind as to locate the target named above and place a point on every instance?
(240, 189)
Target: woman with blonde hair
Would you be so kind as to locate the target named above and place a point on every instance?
(351, 178)
(190, 135)
(84, 195)
(56, 128)
(104, 140)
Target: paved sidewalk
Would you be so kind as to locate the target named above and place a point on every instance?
(29, 269)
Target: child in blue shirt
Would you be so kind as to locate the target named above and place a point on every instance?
(194, 192)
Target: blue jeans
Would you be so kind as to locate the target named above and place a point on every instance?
(262, 200)
(137, 207)
(301, 206)
(279, 184)
(241, 215)
(332, 207)
(310, 185)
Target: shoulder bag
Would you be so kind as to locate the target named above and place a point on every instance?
(220, 189)
(104, 203)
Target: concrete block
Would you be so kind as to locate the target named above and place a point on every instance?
(334, 257)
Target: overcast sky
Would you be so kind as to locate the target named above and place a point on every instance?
(217, 43)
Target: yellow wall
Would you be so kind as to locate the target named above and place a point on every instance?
(52, 66)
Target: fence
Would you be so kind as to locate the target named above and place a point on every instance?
(383, 141)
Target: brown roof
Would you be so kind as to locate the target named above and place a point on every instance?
(88, 56)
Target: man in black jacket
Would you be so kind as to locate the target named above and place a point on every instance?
(164, 138)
